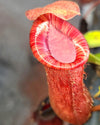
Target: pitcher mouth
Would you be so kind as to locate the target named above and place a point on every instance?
(58, 44)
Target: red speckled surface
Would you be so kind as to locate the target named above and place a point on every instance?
(63, 9)
(68, 95)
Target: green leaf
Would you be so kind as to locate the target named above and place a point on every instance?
(93, 38)
(97, 55)
(94, 58)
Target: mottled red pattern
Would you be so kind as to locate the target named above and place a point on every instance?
(39, 40)
(69, 97)
(63, 9)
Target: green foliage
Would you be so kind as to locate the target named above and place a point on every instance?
(94, 58)
(93, 40)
